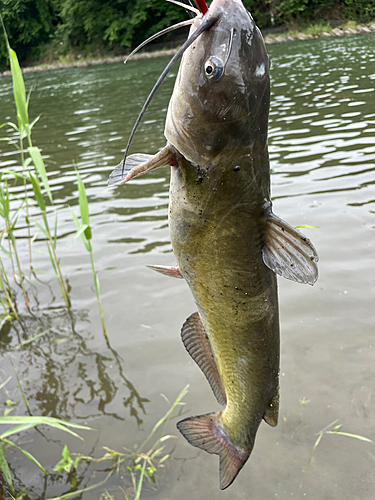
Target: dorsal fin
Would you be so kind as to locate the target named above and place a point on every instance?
(198, 345)
(288, 252)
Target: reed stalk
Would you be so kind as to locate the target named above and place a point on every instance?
(35, 158)
(84, 231)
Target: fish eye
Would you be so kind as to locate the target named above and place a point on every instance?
(213, 68)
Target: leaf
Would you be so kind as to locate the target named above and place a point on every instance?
(80, 231)
(65, 453)
(66, 462)
(44, 232)
(18, 90)
(361, 438)
(40, 168)
(31, 339)
(34, 122)
(83, 204)
(37, 192)
(28, 455)
(39, 420)
(17, 429)
(5, 468)
(13, 126)
(306, 226)
(5, 382)
(10, 402)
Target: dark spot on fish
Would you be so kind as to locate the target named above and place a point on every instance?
(237, 168)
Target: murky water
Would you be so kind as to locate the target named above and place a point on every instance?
(322, 149)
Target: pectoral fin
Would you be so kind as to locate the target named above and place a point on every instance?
(288, 252)
(198, 345)
(173, 272)
(139, 164)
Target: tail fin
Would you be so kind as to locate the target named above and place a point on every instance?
(206, 432)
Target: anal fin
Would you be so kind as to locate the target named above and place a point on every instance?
(207, 433)
(173, 272)
(139, 164)
(198, 345)
(288, 252)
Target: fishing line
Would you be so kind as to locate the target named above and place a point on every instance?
(206, 23)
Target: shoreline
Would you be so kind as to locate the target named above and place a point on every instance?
(269, 39)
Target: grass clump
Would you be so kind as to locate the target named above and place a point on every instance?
(333, 429)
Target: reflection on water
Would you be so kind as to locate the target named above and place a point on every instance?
(321, 143)
(62, 376)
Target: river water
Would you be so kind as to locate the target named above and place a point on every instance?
(322, 150)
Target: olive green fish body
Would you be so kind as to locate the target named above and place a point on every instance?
(217, 229)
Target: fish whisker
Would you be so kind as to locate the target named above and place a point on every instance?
(185, 6)
(206, 24)
(160, 33)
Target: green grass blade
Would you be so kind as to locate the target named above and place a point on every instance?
(28, 455)
(34, 122)
(20, 386)
(13, 125)
(34, 152)
(37, 192)
(42, 229)
(52, 261)
(81, 228)
(83, 204)
(38, 420)
(165, 417)
(139, 487)
(55, 232)
(80, 231)
(31, 339)
(5, 382)
(17, 429)
(18, 89)
(340, 433)
(5, 468)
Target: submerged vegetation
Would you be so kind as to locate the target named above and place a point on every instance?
(52, 30)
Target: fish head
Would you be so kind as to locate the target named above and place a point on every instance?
(220, 103)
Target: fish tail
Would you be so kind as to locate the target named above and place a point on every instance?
(206, 432)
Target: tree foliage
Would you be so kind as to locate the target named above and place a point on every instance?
(67, 25)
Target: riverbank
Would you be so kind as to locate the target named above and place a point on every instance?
(314, 31)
